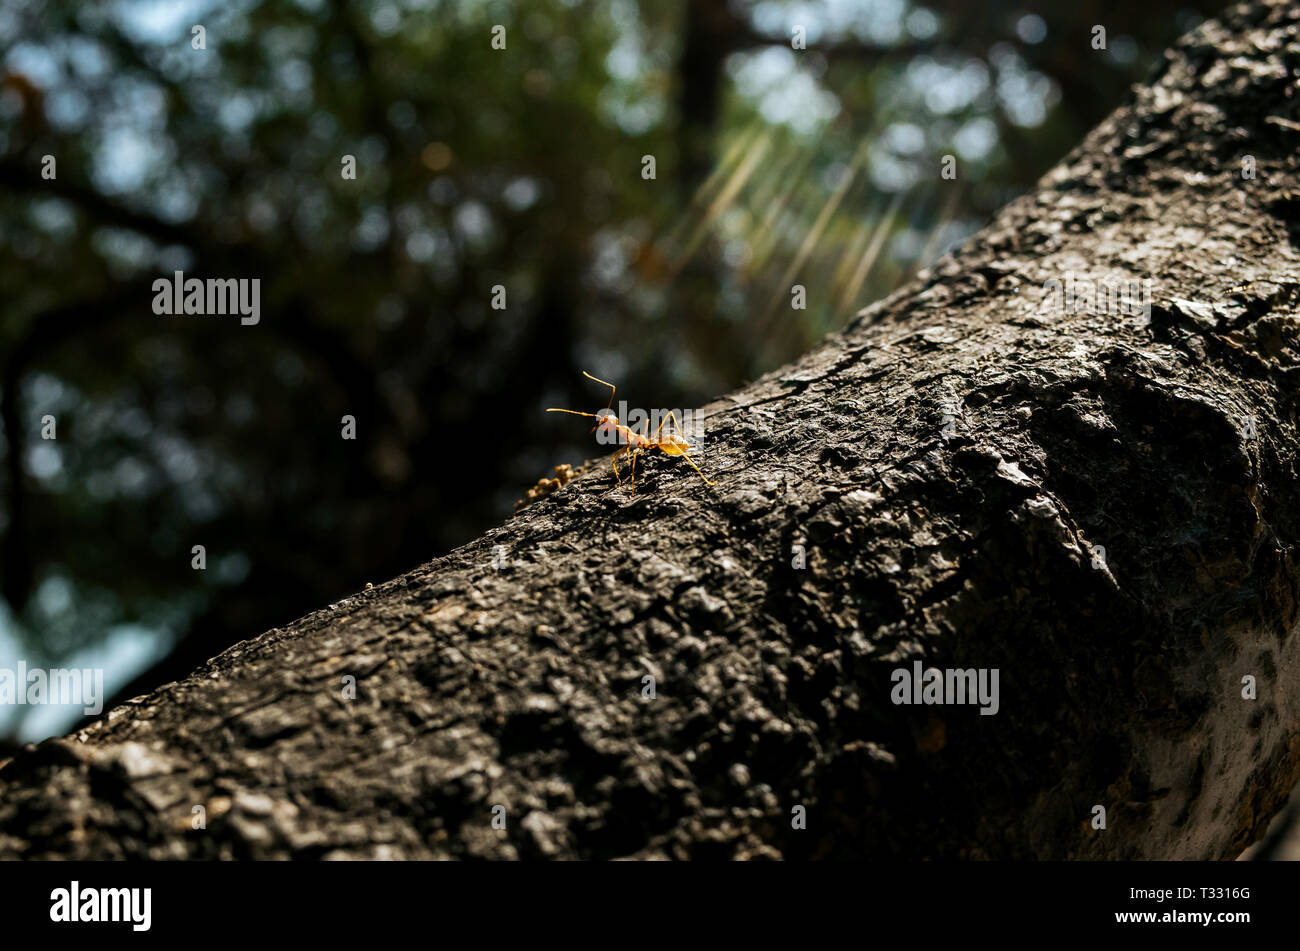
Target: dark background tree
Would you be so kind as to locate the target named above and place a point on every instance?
(476, 167)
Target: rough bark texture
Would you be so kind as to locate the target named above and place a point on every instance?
(962, 540)
(1282, 843)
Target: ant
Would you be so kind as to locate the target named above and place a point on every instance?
(634, 444)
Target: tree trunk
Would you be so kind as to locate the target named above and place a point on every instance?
(1100, 505)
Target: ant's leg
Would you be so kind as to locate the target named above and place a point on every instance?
(645, 432)
(707, 480)
(661, 425)
(677, 427)
(685, 455)
(614, 462)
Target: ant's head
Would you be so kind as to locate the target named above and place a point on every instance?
(606, 422)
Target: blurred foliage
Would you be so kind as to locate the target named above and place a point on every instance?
(475, 167)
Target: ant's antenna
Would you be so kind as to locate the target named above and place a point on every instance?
(612, 390)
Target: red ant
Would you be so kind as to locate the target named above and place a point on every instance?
(634, 444)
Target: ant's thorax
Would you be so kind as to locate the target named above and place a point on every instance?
(610, 426)
(635, 440)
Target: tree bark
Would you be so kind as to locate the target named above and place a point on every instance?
(950, 467)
